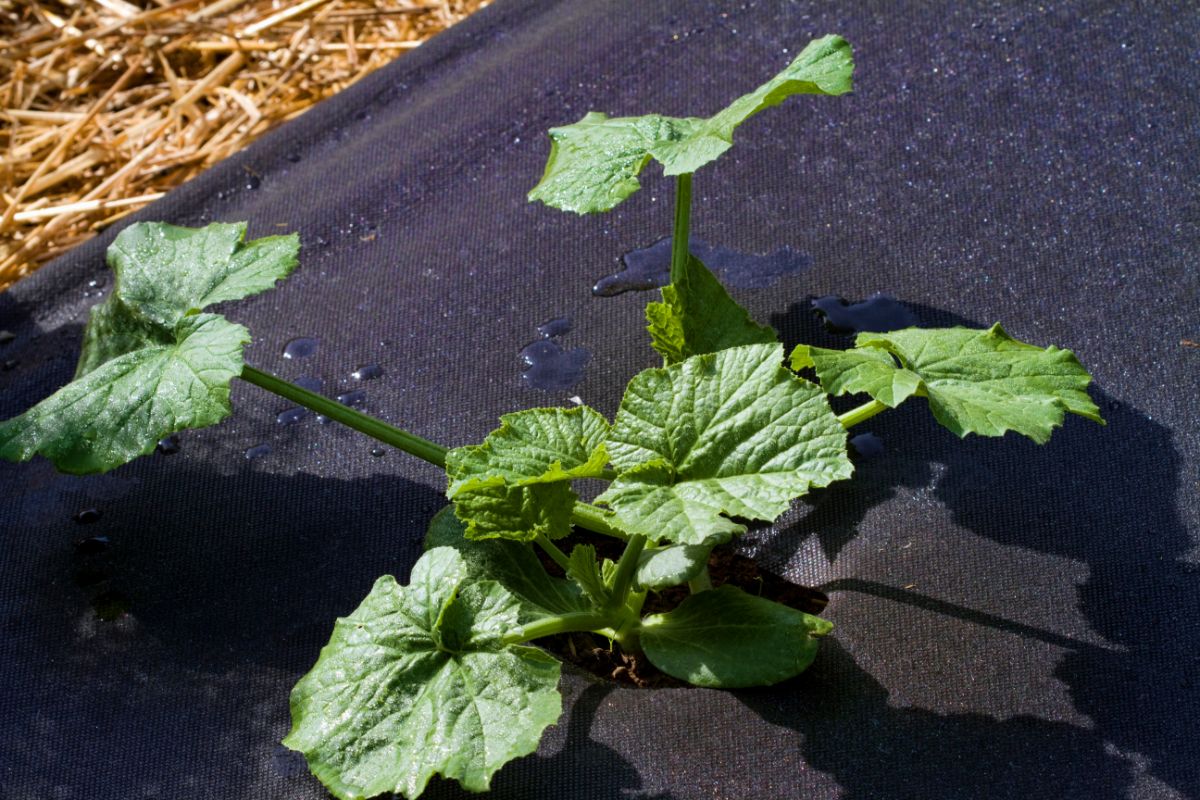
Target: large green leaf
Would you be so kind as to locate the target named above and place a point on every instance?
(725, 638)
(977, 381)
(594, 163)
(513, 564)
(417, 681)
(722, 434)
(698, 316)
(152, 364)
(539, 445)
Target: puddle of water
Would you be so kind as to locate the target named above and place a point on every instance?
(878, 313)
(551, 367)
(650, 267)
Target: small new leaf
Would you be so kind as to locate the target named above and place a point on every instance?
(725, 638)
(718, 435)
(583, 568)
(417, 681)
(152, 363)
(661, 567)
(698, 316)
(594, 163)
(977, 381)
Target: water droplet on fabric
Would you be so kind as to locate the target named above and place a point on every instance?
(111, 605)
(88, 516)
(253, 182)
(353, 398)
(879, 313)
(367, 372)
(7, 336)
(258, 451)
(92, 545)
(300, 347)
(867, 445)
(310, 383)
(9, 366)
(555, 327)
(168, 446)
(377, 451)
(550, 367)
(293, 157)
(291, 416)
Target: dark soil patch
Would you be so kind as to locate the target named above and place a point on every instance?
(593, 654)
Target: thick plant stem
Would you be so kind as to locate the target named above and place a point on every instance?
(861, 413)
(679, 234)
(626, 567)
(564, 623)
(376, 429)
(552, 550)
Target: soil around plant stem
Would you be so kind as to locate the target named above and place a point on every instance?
(596, 655)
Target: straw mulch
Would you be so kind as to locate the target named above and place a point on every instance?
(107, 104)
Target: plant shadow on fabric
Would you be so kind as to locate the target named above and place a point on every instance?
(1108, 502)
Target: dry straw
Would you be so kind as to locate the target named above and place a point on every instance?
(107, 104)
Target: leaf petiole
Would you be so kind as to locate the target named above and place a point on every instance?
(562, 623)
(375, 428)
(552, 550)
(679, 234)
(626, 568)
(861, 413)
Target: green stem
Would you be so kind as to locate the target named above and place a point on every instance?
(679, 235)
(552, 550)
(564, 623)
(700, 583)
(584, 515)
(376, 429)
(861, 414)
(626, 567)
(594, 519)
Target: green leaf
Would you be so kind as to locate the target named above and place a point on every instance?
(585, 570)
(661, 567)
(725, 638)
(977, 381)
(152, 364)
(417, 681)
(165, 272)
(722, 434)
(594, 163)
(540, 445)
(513, 564)
(121, 409)
(698, 316)
(517, 512)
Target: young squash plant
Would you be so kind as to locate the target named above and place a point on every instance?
(438, 676)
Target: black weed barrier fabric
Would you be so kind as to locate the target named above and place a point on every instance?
(1013, 621)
